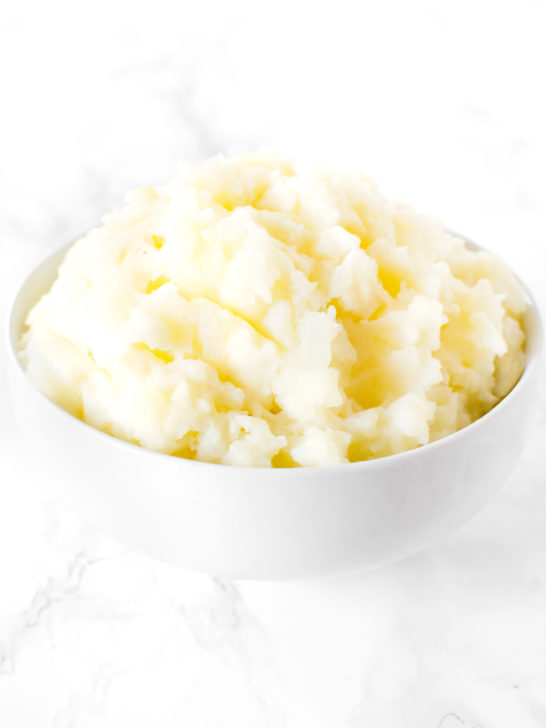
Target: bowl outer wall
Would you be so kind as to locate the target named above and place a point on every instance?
(268, 523)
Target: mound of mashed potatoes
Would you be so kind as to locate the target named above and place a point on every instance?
(248, 314)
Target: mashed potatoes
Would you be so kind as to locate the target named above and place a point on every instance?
(246, 314)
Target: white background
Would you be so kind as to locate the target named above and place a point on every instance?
(443, 103)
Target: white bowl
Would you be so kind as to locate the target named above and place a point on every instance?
(266, 523)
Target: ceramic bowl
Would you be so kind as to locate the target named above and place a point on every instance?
(268, 523)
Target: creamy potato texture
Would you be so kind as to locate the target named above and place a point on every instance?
(248, 314)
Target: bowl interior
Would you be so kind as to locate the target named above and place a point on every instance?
(36, 284)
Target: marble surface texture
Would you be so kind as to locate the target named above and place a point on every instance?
(443, 103)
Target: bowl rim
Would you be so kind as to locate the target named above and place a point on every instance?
(533, 349)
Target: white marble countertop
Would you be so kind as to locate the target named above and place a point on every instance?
(444, 104)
